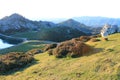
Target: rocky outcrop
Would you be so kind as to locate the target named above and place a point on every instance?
(15, 22)
(109, 29)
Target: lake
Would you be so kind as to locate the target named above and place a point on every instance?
(4, 44)
(8, 41)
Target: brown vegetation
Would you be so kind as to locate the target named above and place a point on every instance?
(94, 36)
(49, 46)
(94, 40)
(71, 48)
(105, 39)
(14, 60)
(85, 38)
(50, 52)
(34, 51)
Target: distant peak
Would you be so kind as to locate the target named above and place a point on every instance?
(71, 20)
(13, 16)
(16, 14)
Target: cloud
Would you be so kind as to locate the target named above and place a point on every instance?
(59, 8)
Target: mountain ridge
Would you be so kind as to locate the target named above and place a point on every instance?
(16, 22)
(89, 25)
(94, 21)
(97, 21)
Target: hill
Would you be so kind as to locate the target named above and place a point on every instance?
(76, 25)
(102, 64)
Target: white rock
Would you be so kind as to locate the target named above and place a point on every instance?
(109, 29)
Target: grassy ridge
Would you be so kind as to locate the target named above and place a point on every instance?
(102, 64)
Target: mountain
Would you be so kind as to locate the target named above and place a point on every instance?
(16, 23)
(76, 25)
(97, 21)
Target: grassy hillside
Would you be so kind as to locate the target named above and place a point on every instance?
(25, 46)
(102, 64)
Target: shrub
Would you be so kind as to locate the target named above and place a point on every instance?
(71, 48)
(94, 40)
(76, 39)
(94, 36)
(14, 60)
(34, 51)
(98, 35)
(50, 52)
(85, 38)
(49, 46)
(105, 39)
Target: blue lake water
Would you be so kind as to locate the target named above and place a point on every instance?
(4, 44)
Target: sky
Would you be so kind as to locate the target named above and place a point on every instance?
(43, 9)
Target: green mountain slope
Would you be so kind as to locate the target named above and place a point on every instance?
(102, 64)
(56, 34)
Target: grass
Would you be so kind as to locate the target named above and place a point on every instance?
(102, 64)
(25, 46)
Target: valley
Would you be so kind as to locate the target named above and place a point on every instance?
(59, 40)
